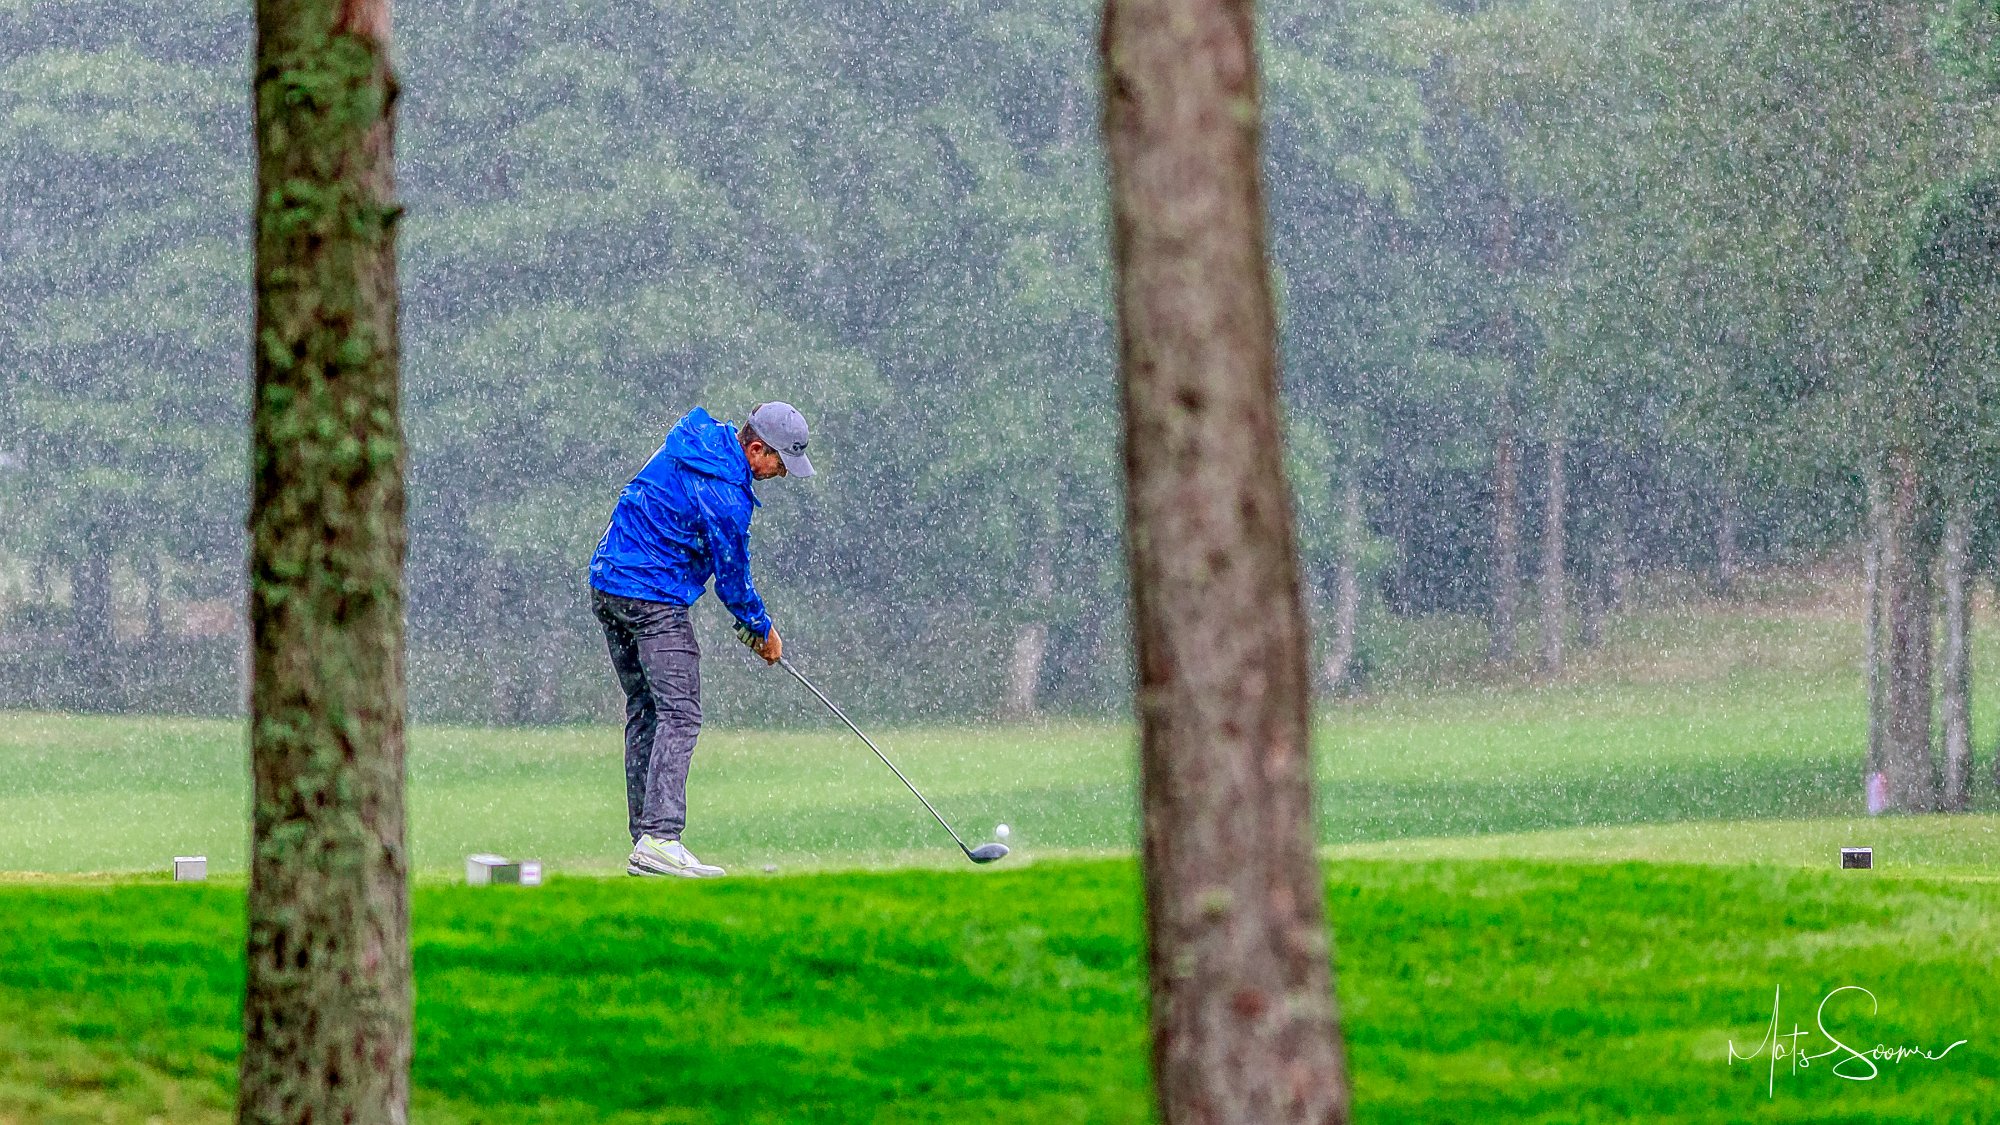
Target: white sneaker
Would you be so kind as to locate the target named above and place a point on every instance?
(654, 856)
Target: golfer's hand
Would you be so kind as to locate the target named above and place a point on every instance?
(770, 648)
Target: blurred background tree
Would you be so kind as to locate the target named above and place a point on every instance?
(1571, 294)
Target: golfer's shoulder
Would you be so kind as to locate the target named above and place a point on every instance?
(725, 497)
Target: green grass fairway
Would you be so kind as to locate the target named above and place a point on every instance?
(1473, 992)
(1553, 904)
(1962, 846)
(1695, 715)
(81, 794)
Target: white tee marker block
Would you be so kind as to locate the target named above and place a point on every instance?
(494, 870)
(190, 868)
(482, 870)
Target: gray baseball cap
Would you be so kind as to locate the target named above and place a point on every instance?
(783, 428)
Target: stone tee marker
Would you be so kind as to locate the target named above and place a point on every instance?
(493, 870)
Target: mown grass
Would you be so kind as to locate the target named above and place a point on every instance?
(1553, 902)
(1473, 991)
(1961, 845)
(1681, 717)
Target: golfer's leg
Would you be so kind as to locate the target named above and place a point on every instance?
(673, 670)
(641, 717)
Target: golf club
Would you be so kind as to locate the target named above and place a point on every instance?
(984, 853)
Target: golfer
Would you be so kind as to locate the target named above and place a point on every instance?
(683, 519)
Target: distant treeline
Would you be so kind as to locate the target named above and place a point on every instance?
(1570, 291)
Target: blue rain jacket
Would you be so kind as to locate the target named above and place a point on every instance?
(684, 518)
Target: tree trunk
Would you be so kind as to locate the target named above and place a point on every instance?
(326, 1014)
(1618, 474)
(1875, 611)
(153, 571)
(1554, 580)
(1031, 640)
(1402, 521)
(1618, 564)
(1907, 760)
(93, 641)
(1957, 688)
(496, 598)
(1242, 1008)
(1506, 535)
(1728, 552)
(1347, 585)
(1594, 519)
(1590, 610)
(547, 706)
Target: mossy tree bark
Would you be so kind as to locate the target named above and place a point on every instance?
(327, 994)
(1242, 1010)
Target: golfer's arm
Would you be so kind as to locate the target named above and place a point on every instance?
(729, 546)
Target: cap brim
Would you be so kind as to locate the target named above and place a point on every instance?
(796, 464)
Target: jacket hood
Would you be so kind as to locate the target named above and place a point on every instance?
(708, 447)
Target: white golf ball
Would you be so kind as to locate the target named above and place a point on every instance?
(1001, 832)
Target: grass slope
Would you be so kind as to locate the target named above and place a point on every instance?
(1473, 991)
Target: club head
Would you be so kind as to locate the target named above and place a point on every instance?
(987, 853)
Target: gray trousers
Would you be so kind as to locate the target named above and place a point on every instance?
(659, 666)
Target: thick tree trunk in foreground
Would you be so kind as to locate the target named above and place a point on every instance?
(1506, 535)
(327, 997)
(1957, 688)
(1347, 585)
(1031, 641)
(1908, 553)
(1242, 1009)
(1554, 580)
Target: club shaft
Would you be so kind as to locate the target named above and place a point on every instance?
(833, 707)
